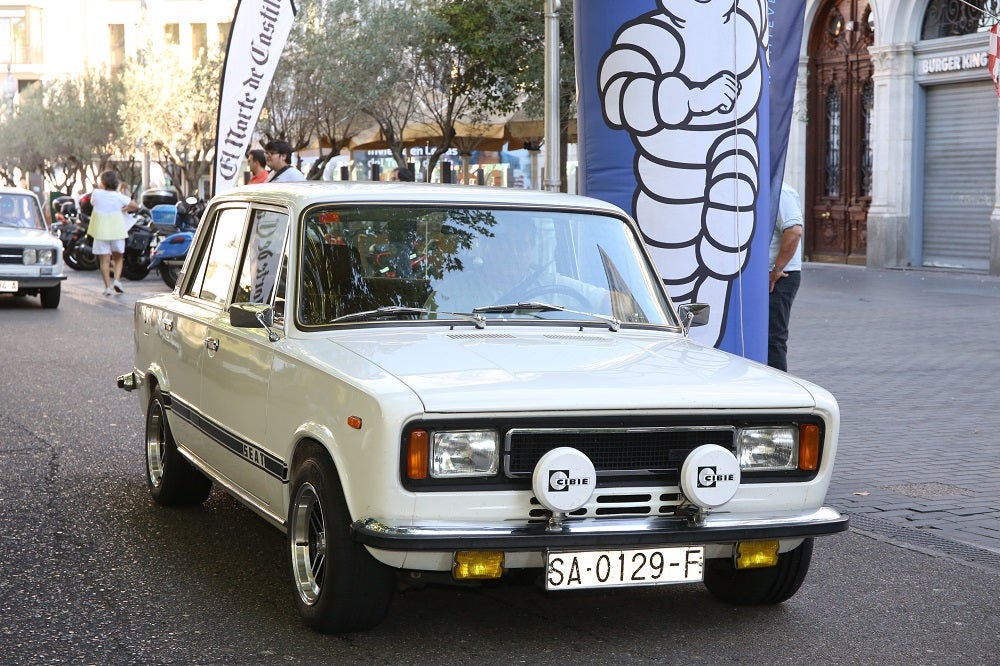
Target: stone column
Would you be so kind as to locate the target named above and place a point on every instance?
(889, 217)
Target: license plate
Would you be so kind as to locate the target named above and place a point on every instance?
(8, 285)
(624, 568)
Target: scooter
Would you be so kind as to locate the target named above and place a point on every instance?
(170, 253)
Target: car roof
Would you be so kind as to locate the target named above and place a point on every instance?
(305, 193)
(18, 191)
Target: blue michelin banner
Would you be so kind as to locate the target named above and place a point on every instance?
(683, 120)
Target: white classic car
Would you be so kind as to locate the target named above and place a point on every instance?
(426, 383)
(30, 257)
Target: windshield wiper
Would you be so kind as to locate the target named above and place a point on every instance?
(389, 311)
(613, 324)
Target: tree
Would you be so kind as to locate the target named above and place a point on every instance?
(320, 84)
(171, 108)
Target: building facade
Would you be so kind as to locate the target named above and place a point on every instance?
(44, 39)
(894, 141)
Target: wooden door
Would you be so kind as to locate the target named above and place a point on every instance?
(839, 152)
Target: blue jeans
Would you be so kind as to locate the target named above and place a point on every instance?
(779, 312)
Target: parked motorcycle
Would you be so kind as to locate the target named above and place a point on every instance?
(139, 245)
(171, 252)
(78, 247)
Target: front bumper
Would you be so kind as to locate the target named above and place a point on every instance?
(602, 533)
(31, 282)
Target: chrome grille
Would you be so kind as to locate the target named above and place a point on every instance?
(11, 255)
(616, 452)
(618, 503)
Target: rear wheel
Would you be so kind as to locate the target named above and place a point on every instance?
(169, 274)
(133, 267)
(339, 586)
(50, 296)
(172, 480)
(752, 587)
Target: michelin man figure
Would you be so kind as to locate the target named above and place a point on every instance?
(685, 81)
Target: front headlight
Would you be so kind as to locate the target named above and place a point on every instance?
(768, 449)
(29, 257)
(459, 453)
(47, 256)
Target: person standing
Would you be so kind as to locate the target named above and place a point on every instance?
(402, 174)
(785, 274)
(278, 156)
(257, 162)
(107, 228)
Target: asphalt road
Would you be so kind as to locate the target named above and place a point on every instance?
(91, 572)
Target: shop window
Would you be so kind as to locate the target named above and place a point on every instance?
(951, 18)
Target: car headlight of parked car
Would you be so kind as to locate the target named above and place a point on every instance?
(32, 256)
(778, 448)
(464, 453)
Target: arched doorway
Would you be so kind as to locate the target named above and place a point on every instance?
(839, 152)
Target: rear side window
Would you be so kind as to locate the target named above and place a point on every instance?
(214, 272)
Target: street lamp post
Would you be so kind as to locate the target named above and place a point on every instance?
(10, 90)
(553, 174)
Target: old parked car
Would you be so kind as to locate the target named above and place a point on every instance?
(30, 257)
(439, 383)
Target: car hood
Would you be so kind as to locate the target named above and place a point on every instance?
(27, 237)
(559, 369)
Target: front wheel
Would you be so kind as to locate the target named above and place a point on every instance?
(172, 480)
(50, 296)
(754, 587)
(339, 586)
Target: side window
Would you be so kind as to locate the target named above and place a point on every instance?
(214, 271)
(262, 261)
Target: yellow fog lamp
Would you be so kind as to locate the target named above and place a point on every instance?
(477, 565)
(756, 554)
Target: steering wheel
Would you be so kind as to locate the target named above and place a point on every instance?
(536, 293)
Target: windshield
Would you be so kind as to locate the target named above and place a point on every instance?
(20, 210)
(442, 262)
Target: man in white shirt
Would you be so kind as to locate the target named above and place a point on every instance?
(279, 159)
(786, 273)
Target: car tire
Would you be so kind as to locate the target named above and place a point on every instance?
(339, 586)
(172, 480)
(752, 587)
(50, 296)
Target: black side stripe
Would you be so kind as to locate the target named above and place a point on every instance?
(243, 448)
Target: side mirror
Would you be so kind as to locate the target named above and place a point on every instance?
(253, 315)
(693, 314)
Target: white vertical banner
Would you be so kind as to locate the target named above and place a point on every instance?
(256, 40)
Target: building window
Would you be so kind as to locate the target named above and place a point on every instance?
(199, 41)
(20, 36)
(224, 29)
(951, 18)
(832, 142)
(172, 33)
(867, 103)
(116, 39)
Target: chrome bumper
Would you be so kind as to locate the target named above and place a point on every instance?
(592, 533)
(129, 381)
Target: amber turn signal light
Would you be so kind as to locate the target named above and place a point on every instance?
(417, 455)
(809, 447)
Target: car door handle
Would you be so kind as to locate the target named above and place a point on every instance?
(167, 325)
(212, 344)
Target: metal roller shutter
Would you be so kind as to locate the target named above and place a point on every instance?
(959, 175)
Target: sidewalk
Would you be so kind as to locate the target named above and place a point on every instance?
(912, 358)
